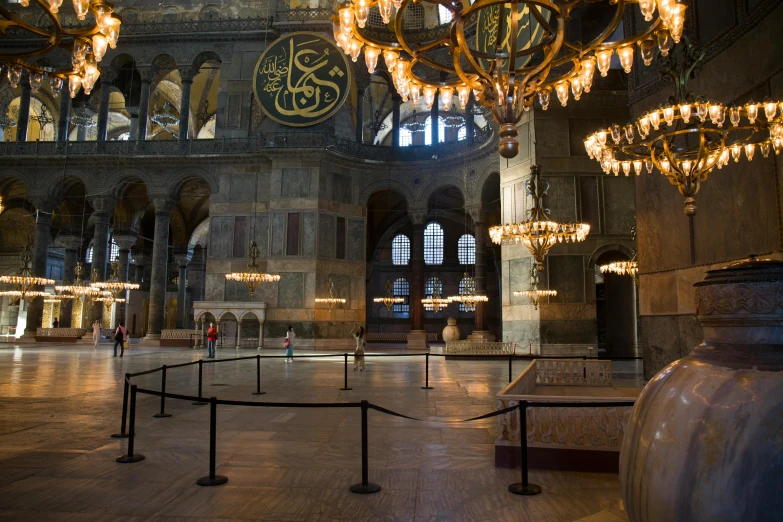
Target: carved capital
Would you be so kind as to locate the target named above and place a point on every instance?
(108, 74)
(68, 241)
(125, 240)
(102, 205)
(183, 258)
(187, 74)
(162, 204)
(146, 72)
(418, 216)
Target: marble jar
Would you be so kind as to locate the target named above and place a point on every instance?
(705, 439)
(451, 331)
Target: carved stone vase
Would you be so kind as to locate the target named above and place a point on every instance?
(451, 331)
(705, 439)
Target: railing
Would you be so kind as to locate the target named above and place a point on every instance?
(61, 332)
(197, 26)
(395, 337)
(178, 334)
(480, 348)
(131, 390)
(250, 145)
(573, 372)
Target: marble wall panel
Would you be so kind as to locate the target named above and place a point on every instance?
(589, 203)
(619, 204)
(508, 204)
(291, 290)
(240, 236)
(309, 232)
(518, 279)
(569, 332)
(566, 275)
(243, 187)
(667, 338)
(278, 233)
(341, 188)
(326, 236)
(552, 137)
(561, 197)
(236, 291)
(522, 332)
(354, 241)
(264, 186)
(520, 202)
(295, 182)
(221, 236)
(261, 233)
(214, 287)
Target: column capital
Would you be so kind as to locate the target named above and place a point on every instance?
(146, 72)
(68, 241)
(163, 203)
(418, 216)
(125, 240)
(187, 74)
(43, 203)
(476, 214)
(108, 74)
(183, 258)
(103, 204)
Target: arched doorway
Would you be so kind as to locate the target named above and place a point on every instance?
(615, 301)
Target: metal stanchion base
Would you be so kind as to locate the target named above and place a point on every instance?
(259, 393)
(199, 403)
(365, 489)
(345, 389)
(217, 480)
(427, 388)
(162, 415)
(127, 459)
(120, 436)
(520, 489)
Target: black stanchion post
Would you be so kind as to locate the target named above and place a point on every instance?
(427, 373)
(258, 376)
(122, 434)
(345, 385)
(162, 413)
(523, 488)
(200, 401)
(365, 487)
(131, 457)
(212, 479)
(510, 359)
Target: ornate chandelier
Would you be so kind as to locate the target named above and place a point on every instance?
(388, 300)
(414, 125)
(86, 44)
(435, 302)
(78, 289)
(16, 295)
(471, 52)
(24, 281)
(454, 121)
(165, 117)
(7, 122)
(533, 293)
(538, 234)
(690, 136)
(630, 268)
(331, 300)
(469, 297)
(253, 277)
(2, 207)
(114, 285)
(82, 118)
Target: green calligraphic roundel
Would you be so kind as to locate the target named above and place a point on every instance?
(301, 79)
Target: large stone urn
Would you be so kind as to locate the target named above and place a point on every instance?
(705, 439)
(451, 331)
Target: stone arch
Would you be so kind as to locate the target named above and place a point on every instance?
(226, 316)
(439, 186)
(387, 184)
(204, 57)
(179, 233)
(608, 248)
(209, 12)
(200, 235)
(178, 179)
(251, 313)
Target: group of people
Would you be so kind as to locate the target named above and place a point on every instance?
(120, 337)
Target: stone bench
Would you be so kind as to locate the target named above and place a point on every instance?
(59, 335)
(179, 338)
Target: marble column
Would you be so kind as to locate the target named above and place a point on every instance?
(360, 116)
(417, 338)
(103, 207)
(434, 118)
(239, 333)
(23, 117)
(107, 78)
(396, 100)
(124, 243)
(260, 334)
(146, 73)
(187, 74)
(134, 122)
(140, 259)
(480, 316)
(160, 257)
(64, 116)
(43, 227)
(182, 263)
(71, 244)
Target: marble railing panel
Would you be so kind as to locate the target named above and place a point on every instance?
(61, 332)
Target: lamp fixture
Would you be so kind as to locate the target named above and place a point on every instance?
(82, 118)
(2, 207)
(331, 300)
(7, 122)
(688, 137)
(78, 289)
(533, 293)
(453, 121)
(470, 53)
(24, 281)
(469, 298)
(115, 285)
(435, 302)
(253, 276)
(539, 234)
(86, 44)
(43, 118)
(630, 267)
(388, 300)
(414, 125)
(165, 117)
(16, 295)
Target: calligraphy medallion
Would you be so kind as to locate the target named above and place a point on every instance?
(301, 79)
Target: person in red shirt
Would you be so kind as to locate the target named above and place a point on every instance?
(212, 334)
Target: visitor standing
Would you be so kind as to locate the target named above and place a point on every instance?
(96, 333)
(288, 344)
(212, 335)
(358, 354)
(56, 323)
(119, 338)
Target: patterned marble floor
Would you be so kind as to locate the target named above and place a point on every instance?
(59, 404)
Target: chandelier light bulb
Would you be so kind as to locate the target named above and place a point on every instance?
(647, 7)
(644, 126)
(604, 60)
(344, 41)
(648, 164)
(415, 93)
(702, 111)
(752, 110)
(770, 108)
(665, 42)
(629, 132)
(24, 3)
(625, 54)
(647, 50)
(463, 93)
(685, 112)
(736, 152)
(54, 5)
(665, 165)
(371, 58)
(429, 95)
(385, 9)
(355, 48)
(362, 13)
(677, 21)
(750, 149)
(390, 58)
(626, 168)
(637, 167)
(665, 10)
(346, 18)
(81, 7)
(764, 146)
(14, 75)
(734, 115)
(446, 94)
(601, 135)
(724, 158)
(615, 167)
(615, 132)
(99, 46)
(562, 93)
(102, 14)
(55, 84)
(576, 87)
(74, 84)
(655, 119)
(586, 73)
(36, 79)
(543, 98)
(111, 29)
(686, 167)
(668, 115)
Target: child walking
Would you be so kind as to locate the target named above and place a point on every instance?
(289, 344)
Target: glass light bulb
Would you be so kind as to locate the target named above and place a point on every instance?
(664, 10)
(716, 114)
(390, 58)
(665, 42)
(655, 119)
(362, 12)
(647, 7)
(371, 58)
(415, 92)
(668, 115)
(446, 94)
(637, 167)
(644, 126)
(74, 84)
(385, 8)
(562, 92)
(81, 7)
(55, 84)
(463, 93)
(648, 164)
(770, 108)
(24, 3)
(734, 115)
(615, 167)
(686, 166)
(112, 30)
(36, 78)
(647, 50)
(397, 4)
(586, 72)
(750, 149)
(625, 54)
(736, 150)
(344, 41)
(677, 21)
(601, 135)
(701, 110)
(14, 75)
(724, 157)
(429, 95)
(604, 60)
(576, 88)
(685, 112)
(764, 149)
(355, 47)
(102, 12)
(614, 130)
(543, 98)
(346, 18)
(665, 165)
(54, 5)
(99, 46)
(752, 110)
(626, 168)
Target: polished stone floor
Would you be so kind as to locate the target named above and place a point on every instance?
(59, 404)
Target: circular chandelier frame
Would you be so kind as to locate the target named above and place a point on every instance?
(388, 300)
(253, 276)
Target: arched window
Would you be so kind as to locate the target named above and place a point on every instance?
(466, 250)
(406, 138)
(463, 289)
(444, 15)
(462, 134)
(433, 286)
(428, 131)
(88, 255)
(401, 250)
(401, 288)
(433, 244)
(114, 252)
